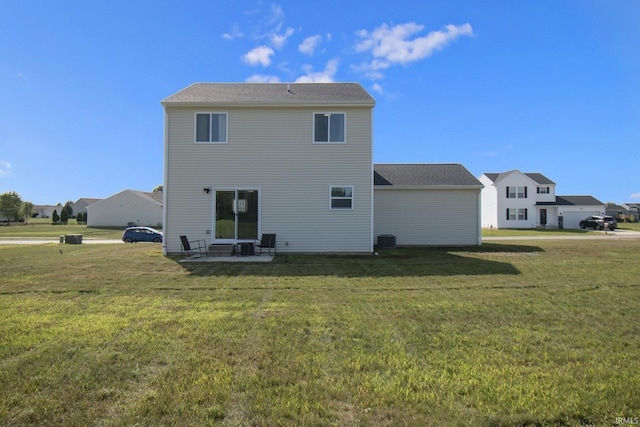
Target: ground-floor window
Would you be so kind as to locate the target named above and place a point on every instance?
(517, 214)
(341, 197)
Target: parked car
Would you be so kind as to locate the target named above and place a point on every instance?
(597, 222)
(141, 234)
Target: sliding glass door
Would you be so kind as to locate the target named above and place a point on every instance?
(236, 215)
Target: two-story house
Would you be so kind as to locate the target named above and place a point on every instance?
(514, 199)
(242, 159)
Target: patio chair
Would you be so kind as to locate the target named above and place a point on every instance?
(192, 247)
(268, 241)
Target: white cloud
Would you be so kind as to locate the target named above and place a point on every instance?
(308, 45)
(635, 196)
(395, 45)
(5, 168)
(325, 76)
(276, 17)
(234, 33)
(377, 88)
(262, 78)
(278, 40)
(260, 55)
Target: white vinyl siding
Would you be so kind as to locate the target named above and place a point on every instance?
(427, 217)
(125, 207)
(271, 151)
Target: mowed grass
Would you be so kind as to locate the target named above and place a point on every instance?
(43, 229)
(521, 333)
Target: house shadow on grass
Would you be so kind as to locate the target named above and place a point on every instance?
(487, 259)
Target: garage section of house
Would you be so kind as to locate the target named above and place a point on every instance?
(573, 209)
(427, 204)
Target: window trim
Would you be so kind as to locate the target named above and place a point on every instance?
(325, 113)
(332, 198)
(517, 212)
(210, 113)
(516, 193)
(547, 190)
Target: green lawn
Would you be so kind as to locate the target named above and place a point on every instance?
(629, 225)
(43, 229)
(522, 333)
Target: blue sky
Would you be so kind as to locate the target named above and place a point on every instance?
(539, 86)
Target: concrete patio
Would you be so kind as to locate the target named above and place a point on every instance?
(247, 258)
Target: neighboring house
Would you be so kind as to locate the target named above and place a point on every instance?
(46, 211)
(634, 211)
(125, 208)
(528, 200)
(81, 205)
(427, 204)
(509, 200)
(242, 159)
(620, 213)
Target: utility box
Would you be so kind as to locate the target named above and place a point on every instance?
(73, 239)
(246, 249)
(386, 241)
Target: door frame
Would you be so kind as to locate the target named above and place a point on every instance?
(215, 191)
(543, 215)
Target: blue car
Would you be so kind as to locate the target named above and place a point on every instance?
(141, 234)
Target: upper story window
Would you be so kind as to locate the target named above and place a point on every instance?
(211, 128)
(329, 128)
(516, 192)
(341, 197)
(543, 190)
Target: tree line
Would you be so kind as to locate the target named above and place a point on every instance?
(13, 209)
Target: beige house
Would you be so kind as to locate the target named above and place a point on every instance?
(128, 207)
(427, 204)
(243, 159)
(80, 205)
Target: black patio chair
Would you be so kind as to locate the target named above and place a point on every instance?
(192, 247)
(268, 241)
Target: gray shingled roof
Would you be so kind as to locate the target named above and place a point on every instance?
(537, 177)
(271, 94)
(573, 201)
(423, 175)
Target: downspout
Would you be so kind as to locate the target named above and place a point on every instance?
(165, 181)
(479, 218)
(372, 187)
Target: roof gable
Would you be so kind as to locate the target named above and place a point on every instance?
(266, 94)
(536, 177)
(155, 198)
(423, 175)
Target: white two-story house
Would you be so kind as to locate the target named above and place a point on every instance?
(528, 200)
(242, 159)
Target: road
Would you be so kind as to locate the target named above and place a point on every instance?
(617, 234)
(22, 241)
